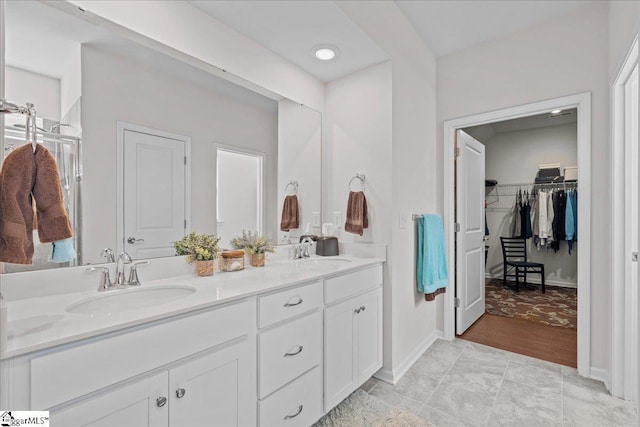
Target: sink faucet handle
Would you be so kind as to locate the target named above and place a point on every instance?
(108, 254)
(105, 280)
(133, 273)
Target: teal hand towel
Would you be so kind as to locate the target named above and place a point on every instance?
(63, 251)
(432, 274)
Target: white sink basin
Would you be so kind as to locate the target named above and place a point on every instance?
(119, 301)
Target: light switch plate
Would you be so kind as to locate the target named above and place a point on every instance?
(404, 218)
(315, 219)
(337, 219)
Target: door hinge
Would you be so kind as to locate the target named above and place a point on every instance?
(456, 302)
(456, 227)
(634, 256)
(456, 151)
(185, 224)
(185, 160)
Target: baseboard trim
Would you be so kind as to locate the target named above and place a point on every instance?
(599, 374)
(392, 376)
(536, 280)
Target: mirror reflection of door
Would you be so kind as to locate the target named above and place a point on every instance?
(155, 191)
(239, 193)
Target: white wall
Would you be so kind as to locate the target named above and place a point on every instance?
(562, 57)
(71, 82)
(624, 25)
(22, 86)
(117, 89)
(513, 157)
(410, 321)
(185, 32)
(299, 159)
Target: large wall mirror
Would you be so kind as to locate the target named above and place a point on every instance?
(149, 148)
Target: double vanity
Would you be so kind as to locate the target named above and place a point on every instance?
(279, 345)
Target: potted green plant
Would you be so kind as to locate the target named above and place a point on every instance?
(201, 249)
(255, 245)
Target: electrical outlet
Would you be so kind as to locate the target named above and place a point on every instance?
(315, 219)
(337, 219)
(403, 220)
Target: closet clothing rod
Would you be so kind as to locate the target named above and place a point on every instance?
(533, 184)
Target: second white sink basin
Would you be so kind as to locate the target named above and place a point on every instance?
(118, 301)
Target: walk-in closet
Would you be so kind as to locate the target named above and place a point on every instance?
(531, 240)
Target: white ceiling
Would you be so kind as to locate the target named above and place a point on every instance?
(452, 25)
(485, 132)
(292, 28)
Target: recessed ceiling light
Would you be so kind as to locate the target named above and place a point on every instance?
(556, 111)
(325, 52)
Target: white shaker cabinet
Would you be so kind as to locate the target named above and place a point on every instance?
(212, 389)
(352, 338)
(142, 403)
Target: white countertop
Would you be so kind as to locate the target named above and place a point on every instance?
(42, 322)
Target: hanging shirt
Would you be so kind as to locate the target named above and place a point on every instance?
(559, 207)
(517, 229)
(542, 218)
(571, 218)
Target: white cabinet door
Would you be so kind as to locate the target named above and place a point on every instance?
(136, 405)
(369, 333)
(339, 352)
(212, 390)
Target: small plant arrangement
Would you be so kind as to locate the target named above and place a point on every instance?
(199, 248)
(255, 245)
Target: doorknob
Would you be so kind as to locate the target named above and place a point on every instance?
(133, 240)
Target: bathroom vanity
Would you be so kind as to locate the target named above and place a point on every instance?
(279, 345)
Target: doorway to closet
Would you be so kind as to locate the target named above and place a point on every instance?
(530, 211)
(521, 144)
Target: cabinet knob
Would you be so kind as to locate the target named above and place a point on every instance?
(161, 401)
(180, 393)
(298, 412)
(363, 308)
(357, 310)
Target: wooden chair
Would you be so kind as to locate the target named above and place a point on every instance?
(514, 253)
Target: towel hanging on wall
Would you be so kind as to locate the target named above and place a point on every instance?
(431, 266)
(290, 213)
(357, 216)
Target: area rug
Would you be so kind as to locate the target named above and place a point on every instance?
(557, 307)
(362, 410)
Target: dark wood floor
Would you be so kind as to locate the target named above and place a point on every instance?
(551, 343)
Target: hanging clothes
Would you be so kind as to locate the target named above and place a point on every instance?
(559, 207)
(543, 218)
(571, 218)
(536, 220)
(526, 219)
(517, 219)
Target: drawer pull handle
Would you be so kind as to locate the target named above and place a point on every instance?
(180, 393)
(298, 412)
(295, 352)
(293, 304)
(161, 401)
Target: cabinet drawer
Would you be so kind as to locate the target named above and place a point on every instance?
(289, 350)
(283, 305)
(297, 404)
(72, 372)
(354, 283)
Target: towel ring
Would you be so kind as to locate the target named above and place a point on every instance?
(362, 179)
(293, 184)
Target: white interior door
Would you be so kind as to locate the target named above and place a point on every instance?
(470, 238)
(155, 195)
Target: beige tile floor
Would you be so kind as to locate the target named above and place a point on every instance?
(461, 383)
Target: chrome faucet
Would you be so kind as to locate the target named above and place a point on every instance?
(123, 259)
(305, 245)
